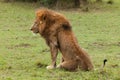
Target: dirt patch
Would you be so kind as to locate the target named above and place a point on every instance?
(22, 45)
(103, 72)
(26, 37)
(115, 65)
(103, 44)
(45, 50)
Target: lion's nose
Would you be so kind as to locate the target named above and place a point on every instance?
(32, 27)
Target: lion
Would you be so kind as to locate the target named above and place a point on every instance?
(58, 34)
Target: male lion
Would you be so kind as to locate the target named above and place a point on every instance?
(57, 32)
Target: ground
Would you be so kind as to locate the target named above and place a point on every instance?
(24, 56)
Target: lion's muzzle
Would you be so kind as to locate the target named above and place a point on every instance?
(35, 28)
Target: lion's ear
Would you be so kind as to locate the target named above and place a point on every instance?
(44, 16)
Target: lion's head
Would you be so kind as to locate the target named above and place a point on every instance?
(39, 23)
(44, 19)
(48, 22)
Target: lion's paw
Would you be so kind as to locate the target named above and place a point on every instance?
(58, 66)
(50, 67)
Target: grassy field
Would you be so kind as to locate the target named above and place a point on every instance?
(24, 56)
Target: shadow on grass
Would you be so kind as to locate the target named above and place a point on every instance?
(40, 65)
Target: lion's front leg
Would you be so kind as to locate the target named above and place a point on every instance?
(54, 52)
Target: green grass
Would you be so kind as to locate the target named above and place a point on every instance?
(98, 31)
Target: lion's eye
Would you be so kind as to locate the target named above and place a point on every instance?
(40, 22)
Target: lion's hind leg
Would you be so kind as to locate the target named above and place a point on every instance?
(70, 65)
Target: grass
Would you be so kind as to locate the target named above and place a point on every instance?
(24, 56)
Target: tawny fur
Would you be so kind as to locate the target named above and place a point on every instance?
(57, 32)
